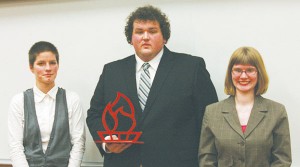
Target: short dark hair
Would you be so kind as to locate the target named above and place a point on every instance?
(148, 13)
(41, 46)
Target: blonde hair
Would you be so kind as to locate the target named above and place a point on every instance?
(249, 56)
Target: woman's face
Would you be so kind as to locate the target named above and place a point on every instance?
(244, 78)
(45, 68)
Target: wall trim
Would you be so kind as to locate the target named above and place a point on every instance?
(91, 164)
(5, 161)
(83, 164)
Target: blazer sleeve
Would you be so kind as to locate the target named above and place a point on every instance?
(204, 92)
(94, 113)
(207, 151)
(281, 150)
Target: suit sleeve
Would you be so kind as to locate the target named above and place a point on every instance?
(94, 113)
(207, 151)
(281, 150)
(204, 90)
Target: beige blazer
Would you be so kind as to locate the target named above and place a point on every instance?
(266, 141)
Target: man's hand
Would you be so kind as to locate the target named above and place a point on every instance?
(115, 147)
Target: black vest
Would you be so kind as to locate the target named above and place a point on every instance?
(58, 151)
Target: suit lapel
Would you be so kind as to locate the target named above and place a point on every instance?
(257, 115)
(165, 65)
(130, 73)
(230, 115)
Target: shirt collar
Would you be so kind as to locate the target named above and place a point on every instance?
(39, 95)
(153, 63)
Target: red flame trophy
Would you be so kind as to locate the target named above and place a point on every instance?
(123, 136)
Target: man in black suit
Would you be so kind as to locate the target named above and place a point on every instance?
(169, 98)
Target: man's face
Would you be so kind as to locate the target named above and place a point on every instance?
(147, 39)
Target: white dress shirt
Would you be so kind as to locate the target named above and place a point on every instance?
(45, 111)
(152, 69)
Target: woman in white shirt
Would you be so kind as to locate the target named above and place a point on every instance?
(46, 123)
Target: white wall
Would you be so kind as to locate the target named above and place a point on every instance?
(89, 33)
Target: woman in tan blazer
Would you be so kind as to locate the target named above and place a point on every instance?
(246, 129)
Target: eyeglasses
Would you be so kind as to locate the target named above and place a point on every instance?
(248, 71)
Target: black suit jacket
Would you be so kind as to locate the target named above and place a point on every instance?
(172, 118)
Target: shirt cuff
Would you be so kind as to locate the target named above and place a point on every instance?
(104, 144)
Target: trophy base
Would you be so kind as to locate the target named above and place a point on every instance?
(119, 141)
(123, 137)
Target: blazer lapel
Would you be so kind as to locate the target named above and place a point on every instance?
(130, 77)
(230, 115)
(164, 67)
(257, 115)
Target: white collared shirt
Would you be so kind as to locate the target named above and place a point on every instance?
(152, 69)
(45, 111)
